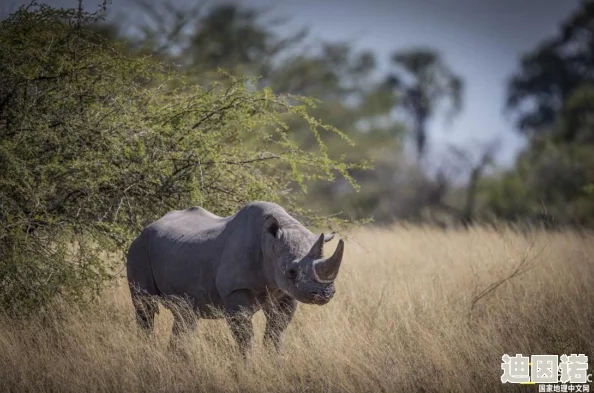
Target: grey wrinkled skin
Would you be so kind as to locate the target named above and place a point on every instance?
(260, 258)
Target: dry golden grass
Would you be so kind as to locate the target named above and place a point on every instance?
(399, 322)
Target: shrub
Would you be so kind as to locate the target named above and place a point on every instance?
(94, 144)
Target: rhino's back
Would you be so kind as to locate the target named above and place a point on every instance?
(194, 222)
(185, 247)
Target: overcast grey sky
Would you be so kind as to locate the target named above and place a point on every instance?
(482, 40)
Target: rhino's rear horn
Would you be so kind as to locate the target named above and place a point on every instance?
(317, 248)
(326, 270)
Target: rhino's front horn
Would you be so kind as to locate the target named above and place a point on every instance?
(326, 270)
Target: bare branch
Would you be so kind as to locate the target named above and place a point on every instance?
(522, 267)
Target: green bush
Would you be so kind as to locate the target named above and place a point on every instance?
(94, 144)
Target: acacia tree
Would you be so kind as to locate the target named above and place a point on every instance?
(424, 81)
(95, 143)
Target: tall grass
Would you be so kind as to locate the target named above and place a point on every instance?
(400, 321)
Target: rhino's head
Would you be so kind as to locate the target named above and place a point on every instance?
(295, 261)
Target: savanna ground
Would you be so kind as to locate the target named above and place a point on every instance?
(400, 321)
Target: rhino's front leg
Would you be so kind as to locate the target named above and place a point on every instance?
(239, 311)
(279, 314)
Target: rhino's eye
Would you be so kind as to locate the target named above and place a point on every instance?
(292, 274)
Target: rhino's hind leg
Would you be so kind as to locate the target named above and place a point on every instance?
(184, 322)
(146, 307)
(278, 316)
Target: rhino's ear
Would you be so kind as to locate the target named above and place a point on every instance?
(272, 226)
(329, 237)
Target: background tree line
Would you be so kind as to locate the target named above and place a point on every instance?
(550, 96)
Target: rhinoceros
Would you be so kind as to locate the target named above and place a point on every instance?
(260, 258)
